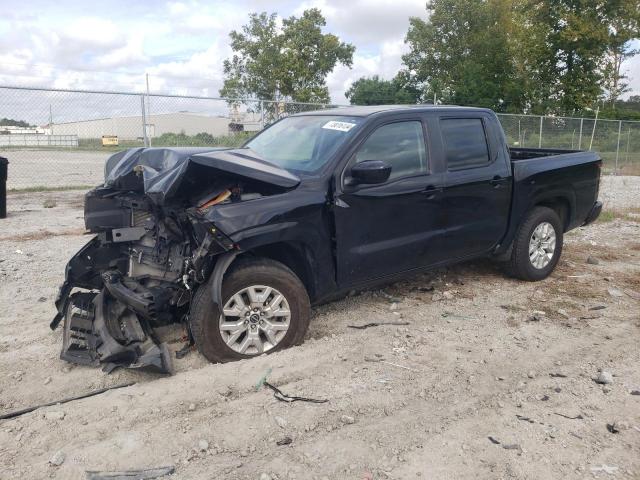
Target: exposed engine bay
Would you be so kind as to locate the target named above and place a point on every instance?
(153, 247)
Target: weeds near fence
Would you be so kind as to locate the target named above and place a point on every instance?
(47, 188)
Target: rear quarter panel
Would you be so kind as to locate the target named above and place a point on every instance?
(572, 178)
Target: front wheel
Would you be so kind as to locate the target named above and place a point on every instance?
(537, 246)
(265, 309)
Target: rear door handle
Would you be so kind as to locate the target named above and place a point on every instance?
(432, 191)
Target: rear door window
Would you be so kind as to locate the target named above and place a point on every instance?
(465, 143)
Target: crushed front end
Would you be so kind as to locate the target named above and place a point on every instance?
(152, 247)
(136, 274)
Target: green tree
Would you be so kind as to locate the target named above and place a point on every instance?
(288, 63)
(8, 122)
(573, 37)
(463, 54)
(624, 26)
(375, 91)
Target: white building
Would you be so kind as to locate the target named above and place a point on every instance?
(130, 128)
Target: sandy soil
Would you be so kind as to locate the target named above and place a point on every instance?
(482, 356)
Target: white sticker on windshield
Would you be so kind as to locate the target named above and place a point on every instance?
(340, 126)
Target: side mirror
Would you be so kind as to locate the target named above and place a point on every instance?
(370, 172)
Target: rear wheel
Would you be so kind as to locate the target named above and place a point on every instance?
(537, 246)
(265, 309)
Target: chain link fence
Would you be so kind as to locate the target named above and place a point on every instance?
(58, 139)
(617, 141)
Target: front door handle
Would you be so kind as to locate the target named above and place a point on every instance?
(432, 191)
(497, 181)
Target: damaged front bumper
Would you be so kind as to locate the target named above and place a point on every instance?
(107, 322)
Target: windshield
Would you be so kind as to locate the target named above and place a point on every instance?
(303, 143)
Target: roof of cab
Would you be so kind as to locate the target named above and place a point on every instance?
(366, 110)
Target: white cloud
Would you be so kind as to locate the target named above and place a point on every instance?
(368, 21)
(177, 8)
(184, 44)
(132, 52)
(92, 32)
(202, 72)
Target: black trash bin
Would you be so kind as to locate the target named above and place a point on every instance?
(4, 167)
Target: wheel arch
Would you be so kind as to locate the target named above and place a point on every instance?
(294, 255)
(563, 208)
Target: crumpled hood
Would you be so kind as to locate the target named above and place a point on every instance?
(164, 170)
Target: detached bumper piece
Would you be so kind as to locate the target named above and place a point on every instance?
(99, 328)
(594, 213)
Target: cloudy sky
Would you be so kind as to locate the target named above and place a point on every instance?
(181, 44)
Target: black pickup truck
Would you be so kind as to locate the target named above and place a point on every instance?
(237, 244)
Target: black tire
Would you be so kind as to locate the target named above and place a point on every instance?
(520, 264)
(205, 316)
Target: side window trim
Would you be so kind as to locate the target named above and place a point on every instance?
(490, 154)
(426, 149)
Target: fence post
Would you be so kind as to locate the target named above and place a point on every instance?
(615, 171)
(261, 114)
(626, 156)
(580, 136)
(540, 139)
(144, 122)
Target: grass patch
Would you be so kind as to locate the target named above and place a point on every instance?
(607, 216)
(48, 188)
(629, 214)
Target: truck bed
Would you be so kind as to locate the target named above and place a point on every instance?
(529, 153)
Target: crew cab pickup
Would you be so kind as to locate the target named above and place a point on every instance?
(238, 243)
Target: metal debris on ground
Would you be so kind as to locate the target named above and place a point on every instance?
(577, 417)
(184, 351)
(146, 474)
(377, 324)
(494, 440)
(512, 446)
(283, 397)
(598, 307)
(525, 419)
(557, 375)
(284, 441)
(17, 413)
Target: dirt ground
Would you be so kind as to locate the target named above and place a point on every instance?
(491, 378)
(53, 168)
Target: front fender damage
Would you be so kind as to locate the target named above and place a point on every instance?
(154, 245)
